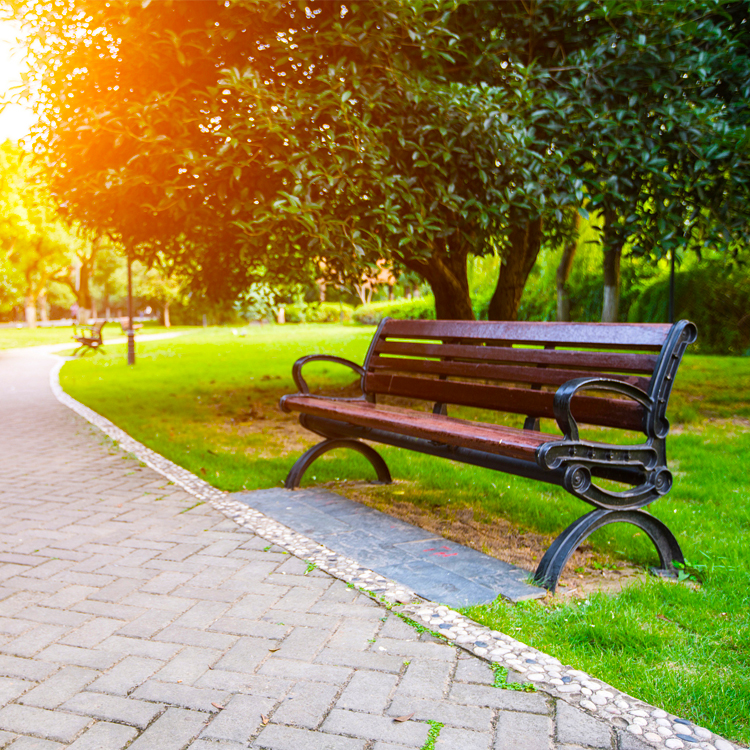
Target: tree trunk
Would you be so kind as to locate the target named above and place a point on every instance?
(42, 306)
(30, 310)
(525, 241)
(447, 276)
(563, 272)
(612, 254)
(167, 323)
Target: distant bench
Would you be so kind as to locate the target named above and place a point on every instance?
(90, 338)
(538, 370)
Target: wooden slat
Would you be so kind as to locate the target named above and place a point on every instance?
(504, 373)
(497, 439)
(606, 412)
(606, 335)
(584, 360)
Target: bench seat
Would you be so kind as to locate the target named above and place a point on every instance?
(482, 436)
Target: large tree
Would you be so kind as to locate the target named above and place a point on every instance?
(253, 136)
(651, 103)
(39, 246)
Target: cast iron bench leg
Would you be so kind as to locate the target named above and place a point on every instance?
(300, 467)
(562, 548)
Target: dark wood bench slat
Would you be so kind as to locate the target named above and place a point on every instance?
(491, 438)
(533, 375)
(584, 360)
(594, 410)
(646, 336)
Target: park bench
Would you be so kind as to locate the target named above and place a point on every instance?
(91, 338)
(125, 325)
(536, 370)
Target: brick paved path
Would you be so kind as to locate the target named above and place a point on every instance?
(132, 617)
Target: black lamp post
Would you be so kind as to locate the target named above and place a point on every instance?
(671, 288)
(131, 331)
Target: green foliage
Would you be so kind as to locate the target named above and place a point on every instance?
(38, 246)
(714, 296)
(318, 312)
(257, 302)
(432, 735)
(419, 308)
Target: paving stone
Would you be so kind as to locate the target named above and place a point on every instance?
(12, 666)
(245, 655)
(369, 726)
(186, 696)
(165, 582)
(188, 665)
(120, 646)
(201, 615)
(425, 679)
(303, 643)
(92, 633)
(171, 731)
(33, 743)
(220, 745)
(473, 670)
(240, 719)
(81, 657)
(257, 628)
(148, 624)
(126, 675)
(53, 616)
(196, 637)
(451, 738)
(114, 708)
(576, 726)
(368, 691)
(511, 700)
(306, 705)
(62, 686)
(39, 722)
(628, 741)
(299, 670)
(250, 607)
(11, 688)
(467, 717)
(239, 682)
(276, 737)
(34, 640)
(522, 731)
(105, 736)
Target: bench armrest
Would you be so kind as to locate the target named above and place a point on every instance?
(300, 382)
(566, 391)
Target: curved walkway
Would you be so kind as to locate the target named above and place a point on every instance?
(134, 614)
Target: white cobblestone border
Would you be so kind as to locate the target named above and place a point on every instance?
(651, 725)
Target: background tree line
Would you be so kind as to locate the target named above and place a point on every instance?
(251, 140)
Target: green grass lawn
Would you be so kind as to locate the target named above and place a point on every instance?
(15, 338)
(208, 402)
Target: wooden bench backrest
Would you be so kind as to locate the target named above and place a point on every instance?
(516, 366)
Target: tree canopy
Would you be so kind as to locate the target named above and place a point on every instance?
(251, 138)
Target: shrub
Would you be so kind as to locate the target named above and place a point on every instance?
(714, 297)
(317, 312)
(421, 308)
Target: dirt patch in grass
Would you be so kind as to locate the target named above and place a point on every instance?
(586, 571)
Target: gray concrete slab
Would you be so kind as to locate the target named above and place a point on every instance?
(433, 567)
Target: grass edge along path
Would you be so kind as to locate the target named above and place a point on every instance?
(684, 648)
